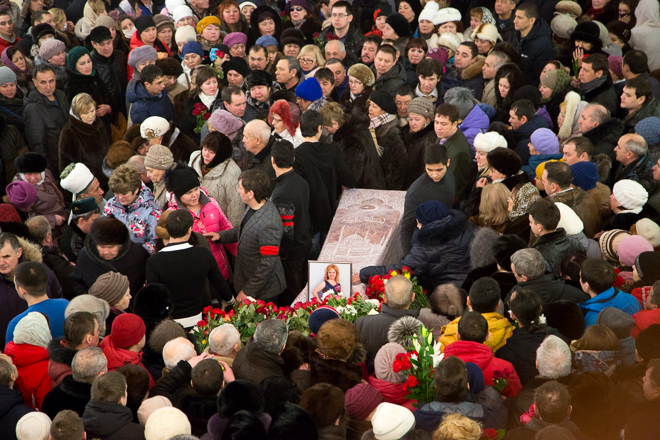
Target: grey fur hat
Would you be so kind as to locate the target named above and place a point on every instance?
(403, 330)
(462, 98)
(481, 248)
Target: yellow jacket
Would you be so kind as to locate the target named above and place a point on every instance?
(499, 327)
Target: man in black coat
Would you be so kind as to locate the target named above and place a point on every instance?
(524, 121)
(11, 400)
(344, 29)
(602, 130)
(258, 143)
(74, 392)
(596, 84)
(291, 197)
(110, 65)
(534, 40)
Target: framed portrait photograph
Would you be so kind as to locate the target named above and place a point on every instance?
(329, 278)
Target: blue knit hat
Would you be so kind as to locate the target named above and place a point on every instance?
(585, 175)
(309, 90)
(545, 141)
(266, 40)
(430, 211)
(192, 47)
(649, 129)
(74, 55)
(320, 316)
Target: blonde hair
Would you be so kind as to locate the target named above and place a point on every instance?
(82, 103)
(597, 337)
(58, 15)
(98, 6)
(494, 205)
(332, 112)
(457, 427)
(315, 52)
(327, 269)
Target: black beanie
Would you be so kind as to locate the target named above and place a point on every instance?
(143, 22)
(400, 25)
(237, 64)
(181, 179)
(108, 231)
(258, 78)
(528, 92)
(100, 34)
(384, 100)
(170, 66)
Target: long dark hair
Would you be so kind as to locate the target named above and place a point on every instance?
(514, 75)
(526, 305)
(220, 145)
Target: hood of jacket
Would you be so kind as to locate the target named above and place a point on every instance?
(530, 126)
(473, 70)
(31, 251)
(145, 199)
(9, 398)
(59, 352)
(215, 173)
(647, 13)
(469, 351)
(616, 320)
(321, 157)
(475, 119)
(609, 131)
(26, 354)
(93, 253)
(102, 419)
(137, 92)
(443, 230)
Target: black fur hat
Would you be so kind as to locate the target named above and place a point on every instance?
(108, 231)
(240, 395)
(153, 303)
(30, 163)
(258, 78)
(100, 34)
(40, 30)
(278, 389)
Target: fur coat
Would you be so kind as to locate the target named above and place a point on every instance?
(394, 156)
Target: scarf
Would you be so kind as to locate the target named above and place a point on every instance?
(12, 39)
(7, 62)
(591, 85)
(208, 100)
(297, 24)
(43, 177)
(526, 196)
(377, 122)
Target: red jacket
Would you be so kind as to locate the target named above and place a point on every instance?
(482, 355)
(643, 319)
(32, 364)
(118, 357)
(392, 392)
(4, 44)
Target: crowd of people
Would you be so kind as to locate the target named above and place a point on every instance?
(158, 158)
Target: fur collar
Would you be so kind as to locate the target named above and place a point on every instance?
(60, 353)
(31, 251)
(444, 230)
(608, 131)
(473, 70)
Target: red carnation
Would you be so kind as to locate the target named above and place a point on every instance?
(206, 116)
(412, 382)
(297, 305)
(246, 302)
(207, 309)
(196, 112)
(201, 324)
(216, 312)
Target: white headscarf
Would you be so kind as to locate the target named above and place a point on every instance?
(32, 329)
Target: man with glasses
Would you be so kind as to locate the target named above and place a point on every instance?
(344, 30)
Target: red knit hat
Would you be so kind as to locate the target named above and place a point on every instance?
(361, 400)
(8, 213)
(281, 108)
(127, 330)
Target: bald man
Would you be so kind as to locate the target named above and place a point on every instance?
(258, 143)
(632, 160)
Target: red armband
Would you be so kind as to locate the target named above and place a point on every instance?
(287, 220)
(269, 250)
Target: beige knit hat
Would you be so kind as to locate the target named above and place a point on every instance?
(422, 106)
(110, 287)
(159, 157)
(550, 79)
(150, 405)
(33, 426)
(362, 73)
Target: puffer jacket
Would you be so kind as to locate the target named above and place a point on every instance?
(210, 219)
(482, 355)
(474, 123)
(439, 254)
(144, 104)
(391, 80)
(395, 154)
(221, 183)
(118, 357)
(12, 409)
(609, 298)
(535, 50)
(32, 364)
(499, 327)
(141, 217)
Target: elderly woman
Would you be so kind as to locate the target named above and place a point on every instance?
(235, 71)
(284, 117)
(113, 288)
(265, 21)
(231, 18)
(397, 29)
(133, 204)
(158, 131)
(485, 36)
(52, 53)
(219, 174)
(158, 160)
(360, 82)
(206, 92)
(236, 42)
(428, 25)
(84, 138)
(208, 29)
(310, 59)
(300, 13)
(543, 146)
(224, 122)
(388, 382)
(554, 86)
(165, 30)
(419, 135)
(387, 136)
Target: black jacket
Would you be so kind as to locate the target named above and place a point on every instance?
(59, 353)
(69, 394)
(110, 421)
(555, 246)
(535, 49)
(11, 411)
(373, 330)
(604, 95)
(356, 145)
(353, 40)
(261, 160)
(291, 197)
(506, 29)
(394, 154)
(12, 110)
(96, 88)
(605, 136)
(551, 290)
(113, 73)
(61, 267)
(417, 143)
(189, 121)
(325, 171)
(391, 80)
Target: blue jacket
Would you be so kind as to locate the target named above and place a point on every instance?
(144, 104)
(474, 123)
(535, 161)
(609, 298)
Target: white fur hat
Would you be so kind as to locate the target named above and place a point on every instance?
(445, 15)
(33, 426)
(569, 220)
(430, 12)
(180, 12)
(488, 32)
(630, 195)
(153, 127)
(450, 41)
(76, 178)
(185, 33)
(487, 142)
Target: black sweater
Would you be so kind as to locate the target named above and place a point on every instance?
(184, 269)
(291, 197)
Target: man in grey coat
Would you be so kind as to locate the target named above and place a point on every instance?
(258, 271)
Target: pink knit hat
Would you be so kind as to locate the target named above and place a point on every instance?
(21, 194)
(630, 248)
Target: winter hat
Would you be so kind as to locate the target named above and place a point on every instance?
(39, 28)
(609, 242)
(159, 157)
(185, 33)
(568, 7)
(439, 54)
(50, 48)
(282, 109)
(384, 361)
(309, 90)
(33, 426)
(585, 175)
(172, 4)
(449, 300)
(486, 31)
(240, 395)
(181, 179)
(8, 214)
(263, 78)
(361, 400)
(110, 287)
(545, 141)
(165, 423)
(226, 123)
(631, 195)
(528, 92)
(541, 167)
(647, 265)
(21, 194)
(383, 9)
(108, 230)
(647, 342)
(563, 25)
(32, 329)
(30, 163)
(162, 22)
(337, 339)
(247, 3)
(142, 23)
(207, 21)
(192, 47)
(430, 211)
(324, 402)
(301, 3)
(88, 303)
(76, 178)
(292, 36)
(83, 206)
(429, 12)
(567, 317)
(399, 24)
(569, 220)
(630, 247)
(320, 316)
(650, 230)
(266, 40)
(100, 34)
(150, 405)
(421, 106)
(445, 15)
(153, 127)
(74, 55)
(181, 12)
(118, 154)
(649, 129)
(141, 55)
(449, 40)
(170, 66)
(487, 142)
(127, 330)
(107, 22)
(462, 99)
(8, 76)
(505, 161)
(235, 38)
(475, 378)
(550, 79)
(616, 65)
(383, 100)
(620, 29)
(589, 32)
(392, 422)
(238, 65)
(362, 73)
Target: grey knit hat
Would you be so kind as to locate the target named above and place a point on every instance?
(422, 106)
(7, 75)
(141, 54)
(111, 287)
(159, 157)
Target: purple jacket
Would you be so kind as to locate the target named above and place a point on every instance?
(474, 123)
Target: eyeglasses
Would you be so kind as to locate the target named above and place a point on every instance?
(297, 9)
(339, 15)
(276, 119)
(354, 82)
(306, 60)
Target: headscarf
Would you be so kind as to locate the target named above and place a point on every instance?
(6, 60)
(32, 329)
(524, 198)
